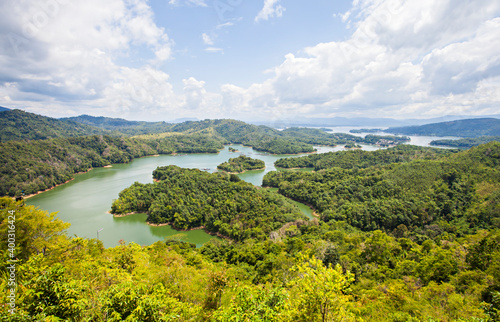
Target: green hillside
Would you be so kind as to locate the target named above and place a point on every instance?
(458, 193)
(461, 128)
(20, 125)
(129, 128)
(38, 165)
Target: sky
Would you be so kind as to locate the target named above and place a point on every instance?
(258, 60)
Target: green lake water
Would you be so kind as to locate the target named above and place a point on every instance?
(85, 201)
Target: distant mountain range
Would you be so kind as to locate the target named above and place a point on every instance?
(366, 121)
(19, 125)
(462, 128)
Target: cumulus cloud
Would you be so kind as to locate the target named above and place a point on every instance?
(271, 9)
(66, 52)
(404, 58)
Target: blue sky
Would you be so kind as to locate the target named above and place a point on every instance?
(273, 60)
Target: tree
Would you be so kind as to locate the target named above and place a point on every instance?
(321, 291)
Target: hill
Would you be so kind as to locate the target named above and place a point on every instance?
(461, 128)
(4, 109)
(20, 125)
(129, 128)
(417, 191)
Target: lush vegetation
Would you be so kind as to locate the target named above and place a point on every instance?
(458, 194)
(20, 125)
(220, 203)
(466, 143)
(33, 166)
(461, 128)
(308, 271)
(352, 146)
(129, 128)
(363, 159)
(241, 164)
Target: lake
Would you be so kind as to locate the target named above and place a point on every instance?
(85, 201)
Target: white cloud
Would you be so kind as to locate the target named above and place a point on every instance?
(271, 9)
(214, 50)
(197, 3)
(405, 58)
(411, 58)
(207, 40)
(75, 46)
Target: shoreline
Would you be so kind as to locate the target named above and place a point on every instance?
(90, 169)
(171, 225)
(57, 185)
(264, 168)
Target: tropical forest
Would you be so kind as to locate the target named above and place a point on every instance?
(401, 233)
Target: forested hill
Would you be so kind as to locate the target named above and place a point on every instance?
(3, 109)
(38, 165)
(121, 125)
(462, 128)
(363, 159)
(458, 193)
(20, 125)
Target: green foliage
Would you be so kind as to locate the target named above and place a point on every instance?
(20, 125)
(321, 293)
(392, 279)
(242, 164)
(254, 305)
(190, 198)
(38, 165)
(121, 126)
(396, 191)
(36, 231)
(467, 142)
(363, 159)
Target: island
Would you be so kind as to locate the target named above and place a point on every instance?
(241, 164)
(193, 199)
(352, 145)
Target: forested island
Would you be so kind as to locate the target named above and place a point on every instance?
(465, 143)
(241, 164)
(191, 198)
